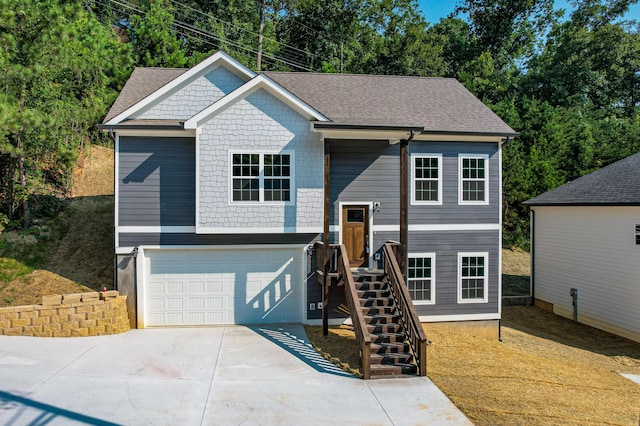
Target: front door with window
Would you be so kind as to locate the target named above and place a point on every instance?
(355, 234)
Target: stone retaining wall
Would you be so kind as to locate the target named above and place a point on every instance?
(67, 315)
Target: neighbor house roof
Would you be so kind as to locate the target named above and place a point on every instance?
(616, 184)
(433, 104)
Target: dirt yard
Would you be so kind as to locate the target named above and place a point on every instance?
(547, 371)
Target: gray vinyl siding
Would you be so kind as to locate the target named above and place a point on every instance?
(370, 171)
(446, 245)
(366, 171)
(156, 181)
(450, 211)
(154, 239)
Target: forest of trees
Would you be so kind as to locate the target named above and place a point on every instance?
(569, 83)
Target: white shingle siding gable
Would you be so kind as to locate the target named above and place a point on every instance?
(592, 249)
(194, 97)
(259, 123)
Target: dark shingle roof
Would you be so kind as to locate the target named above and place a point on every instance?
(142, 83)
(616, 184)
(437, 104)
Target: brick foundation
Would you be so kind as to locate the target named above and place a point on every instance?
(68, 315)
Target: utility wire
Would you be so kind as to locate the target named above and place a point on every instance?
(289, 60)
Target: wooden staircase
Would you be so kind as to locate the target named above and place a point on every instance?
(390, 353)
(385, 323)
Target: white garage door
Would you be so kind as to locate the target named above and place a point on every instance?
(206, 287)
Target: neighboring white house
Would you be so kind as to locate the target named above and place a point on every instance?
(585, 235)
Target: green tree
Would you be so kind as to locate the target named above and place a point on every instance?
(153, 39)
(60, 71)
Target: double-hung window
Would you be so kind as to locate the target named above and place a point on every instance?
(427, 179)
(421, 278)
(473, 171)
(261, 177)
(472, 277)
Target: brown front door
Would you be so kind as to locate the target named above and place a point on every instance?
(355, 233)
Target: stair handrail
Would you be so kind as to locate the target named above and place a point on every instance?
(413, 327)
(363, 337)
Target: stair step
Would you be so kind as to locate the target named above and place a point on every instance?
(377, 301)
(382, 318)
(376, 294)
(378, 310)
(385, 359)
(385, 328)
(389, 348)
(371, 285)
(393, 370)
(388, 338)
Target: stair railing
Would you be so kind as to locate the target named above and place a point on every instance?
(360, 329)
(413, 327)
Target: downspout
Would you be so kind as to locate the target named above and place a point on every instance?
(112, 136)
(532, 242)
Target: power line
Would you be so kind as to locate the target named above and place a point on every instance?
(298, 56)
(292, 60)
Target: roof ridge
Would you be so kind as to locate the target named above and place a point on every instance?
(357, 75)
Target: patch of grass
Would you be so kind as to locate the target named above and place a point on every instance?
(515, 272)
(339, 347)
(81, 242)
(10, 269)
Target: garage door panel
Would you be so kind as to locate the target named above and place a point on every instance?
(206, 287)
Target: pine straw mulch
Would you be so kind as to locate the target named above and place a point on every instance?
(547, 371)
(339, 347)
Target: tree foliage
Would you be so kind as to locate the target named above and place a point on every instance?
(569, 84)
(60, 70)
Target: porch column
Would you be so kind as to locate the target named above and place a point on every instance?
(404, 211)
(326, 237)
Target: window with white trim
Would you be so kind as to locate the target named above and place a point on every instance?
(473, 171)
(472, 277)
(427, 179)
(421, 278)
(258, 177)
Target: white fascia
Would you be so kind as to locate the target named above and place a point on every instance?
(218, 59)
(259, 82)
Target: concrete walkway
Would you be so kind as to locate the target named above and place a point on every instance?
(201, 376)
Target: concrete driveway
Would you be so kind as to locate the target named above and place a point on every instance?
(201, 376)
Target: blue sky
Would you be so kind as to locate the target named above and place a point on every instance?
(434, 10)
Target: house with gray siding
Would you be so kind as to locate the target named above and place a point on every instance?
(585, 249)
(230, 183)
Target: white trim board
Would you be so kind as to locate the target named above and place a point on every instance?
(259, 230)
(441, 227)
(222, 247)
(460, 317)
(156, 229)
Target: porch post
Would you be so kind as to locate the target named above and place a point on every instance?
(404, 211)
(326, 238)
